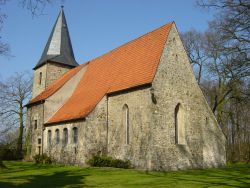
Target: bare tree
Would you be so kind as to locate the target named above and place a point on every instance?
(36, 7)
(228, 67)
(194, 43)
(232, 22)
(4, 47)
(14, 93)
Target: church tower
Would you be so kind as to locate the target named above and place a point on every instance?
(57, 57)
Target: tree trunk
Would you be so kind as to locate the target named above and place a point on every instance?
(1, 164)
(199, 74)
(20, 137)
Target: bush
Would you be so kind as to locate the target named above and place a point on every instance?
(7, 153)
(42, 159)
(105, 161)
(2, 166)
(118, 163)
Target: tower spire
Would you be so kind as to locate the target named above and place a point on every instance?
(58, 48)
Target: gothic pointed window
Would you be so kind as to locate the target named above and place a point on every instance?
(57, 136)
(49, 137)
(65, 136)
(75, 135)
(126, 122)
(179, 125)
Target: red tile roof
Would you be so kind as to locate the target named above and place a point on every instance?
(127, 66)
(56, 85)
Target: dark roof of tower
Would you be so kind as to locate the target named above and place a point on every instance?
(58, 48)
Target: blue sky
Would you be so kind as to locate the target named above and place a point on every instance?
(96, 27)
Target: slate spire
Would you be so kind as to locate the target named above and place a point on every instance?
(58, 48)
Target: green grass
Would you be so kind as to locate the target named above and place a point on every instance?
(23, 174)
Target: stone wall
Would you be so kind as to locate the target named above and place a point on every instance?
(174, 84)
(34, 132)
(91, 138)
(50, 72)
(37, 87)
(55, 71)
(139, 120)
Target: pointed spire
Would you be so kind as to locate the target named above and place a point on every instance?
(58, 48)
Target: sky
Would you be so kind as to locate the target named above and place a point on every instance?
(95, 26)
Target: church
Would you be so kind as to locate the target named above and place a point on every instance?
(138, 102)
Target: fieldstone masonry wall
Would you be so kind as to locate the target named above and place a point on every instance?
(34, 132)
(139, 103)
(50, 72)
(54, 71)
(91, 138)
(175, 84)
(37, 87)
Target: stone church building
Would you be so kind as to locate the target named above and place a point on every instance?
(139, 102)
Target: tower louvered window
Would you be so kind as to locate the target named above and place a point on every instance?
(40, 77)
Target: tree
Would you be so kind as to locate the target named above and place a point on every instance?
(36, 7)
(194, 43)
(228, 66)
(232, 22)
(4, 47)
(14, 94)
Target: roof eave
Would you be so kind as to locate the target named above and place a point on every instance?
(47, 124)
(29, 104)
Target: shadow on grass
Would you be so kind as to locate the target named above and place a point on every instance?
(21, 175)
(237, 176)
(57, 179)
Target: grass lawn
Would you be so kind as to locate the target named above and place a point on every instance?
(23, 174)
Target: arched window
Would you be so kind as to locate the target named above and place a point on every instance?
(65, 136)
(49, 137)
(75, 135)
(126, 122)
(40, 77)
(179, 125)
(57, 136)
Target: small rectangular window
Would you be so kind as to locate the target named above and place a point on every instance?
(40, 78)
(207, 121)
(35, 124)
(39, 140)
